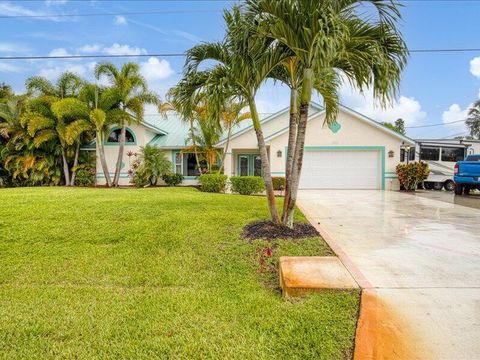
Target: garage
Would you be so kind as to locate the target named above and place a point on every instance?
(341, 169)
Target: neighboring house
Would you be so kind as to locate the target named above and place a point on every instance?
(354, 153)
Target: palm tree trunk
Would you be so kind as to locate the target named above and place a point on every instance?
(224, 155)
(75, 164)
(103, 161)
(292, 138)
(66, 170)
(305, 99)
(267, 176)
(121, 149)
(192, 131)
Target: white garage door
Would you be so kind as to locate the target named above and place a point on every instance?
(341, 170)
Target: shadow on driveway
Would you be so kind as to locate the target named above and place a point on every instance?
(472, 201)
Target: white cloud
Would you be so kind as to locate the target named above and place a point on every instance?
(59, 52)
(53, 70)
(120, 20)
(407, 108)
(155, 69)
(454, 115)
(12, 48)
(475, 67)
(8, 68)
(55, 2)
(117, 49)
(90, 48)
(9, 9)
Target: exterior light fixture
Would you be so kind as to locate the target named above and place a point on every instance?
(279, 153)
(391, 154)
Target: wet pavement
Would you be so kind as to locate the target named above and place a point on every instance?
(418, 261)
(472, 201)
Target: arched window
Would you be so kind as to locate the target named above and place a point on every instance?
(114, 137)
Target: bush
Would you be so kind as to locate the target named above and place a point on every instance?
(278, 183)
(85, 177)
(172, 179)
(410, 175)
(149, 166)
(247, 185)
(214, 183)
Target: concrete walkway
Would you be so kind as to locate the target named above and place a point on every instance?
(418, 261)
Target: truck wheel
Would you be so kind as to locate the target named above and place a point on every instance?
(458, 189)
(437, 186)
(449, 185)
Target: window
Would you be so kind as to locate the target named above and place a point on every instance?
(114, 137)
(430, 153)
(257, 165)
(178, 163)
(453, 154)
(402, 155)
(412, 154)
(243, 164)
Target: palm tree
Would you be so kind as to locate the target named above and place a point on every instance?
(330, 38)
(67, 85)
(243, 62)
(473, 121)
(133, 93)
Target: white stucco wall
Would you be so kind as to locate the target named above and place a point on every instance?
(354, 132)
(142, 135)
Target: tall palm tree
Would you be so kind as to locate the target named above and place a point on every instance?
(67, 85)
(243, 62)
(330, 38)
(133, 93)
(473, 121)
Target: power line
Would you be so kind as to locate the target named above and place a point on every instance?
(46, 57)
(154, 12)
(432, 125)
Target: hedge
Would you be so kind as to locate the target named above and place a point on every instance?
(247, 185)
(278, 183)
(213, 183)
(172, 179)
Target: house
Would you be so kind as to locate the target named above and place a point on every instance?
(356, 152)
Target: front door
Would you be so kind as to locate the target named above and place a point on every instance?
(249, 165)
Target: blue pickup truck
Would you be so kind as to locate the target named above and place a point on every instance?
(467, 175)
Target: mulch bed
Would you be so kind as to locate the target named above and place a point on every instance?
(267, 230)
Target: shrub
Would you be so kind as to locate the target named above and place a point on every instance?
(214, 183)
(149, 166)
(247, 185)
(85, 177)
(172, 179)
(410, 175)
(278, 183)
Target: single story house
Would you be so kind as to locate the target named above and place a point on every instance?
(354, 153)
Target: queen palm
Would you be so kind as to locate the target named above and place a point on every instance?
(242, 64)
(329, 38)
(133, 95)
(67, 85)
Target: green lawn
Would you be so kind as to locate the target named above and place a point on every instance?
(154, 273)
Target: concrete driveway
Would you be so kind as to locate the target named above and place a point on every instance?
(418, 261)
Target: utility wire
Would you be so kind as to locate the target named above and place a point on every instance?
(45, 57)
(152, 12)
(432, 125)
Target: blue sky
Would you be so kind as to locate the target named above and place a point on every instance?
(436, 87)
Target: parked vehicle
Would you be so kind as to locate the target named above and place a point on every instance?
(467, 175)
(441, 156)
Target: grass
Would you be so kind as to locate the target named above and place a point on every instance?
(154, 273)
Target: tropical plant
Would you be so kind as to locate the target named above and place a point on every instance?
(67, 85)
(473, 121)
(329, 38)
(6, 92)
(243, 61)
(412, 174)
(398, 126)
(133, 94)
(150, 166)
